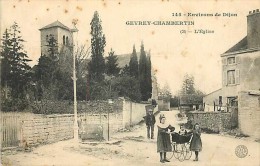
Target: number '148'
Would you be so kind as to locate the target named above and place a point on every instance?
(176, 14)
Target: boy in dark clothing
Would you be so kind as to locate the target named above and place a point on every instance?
(150, 121)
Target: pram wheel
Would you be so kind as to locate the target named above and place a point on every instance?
(170, 154)
(188, 152)
(182, 152)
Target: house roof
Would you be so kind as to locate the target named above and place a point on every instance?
(241, 45)
(55, 24)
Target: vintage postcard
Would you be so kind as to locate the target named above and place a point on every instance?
(130, 82)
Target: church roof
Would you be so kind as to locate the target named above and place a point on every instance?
(55, 24)
(241, 45)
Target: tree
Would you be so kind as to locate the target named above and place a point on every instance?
(127, 86)
(190, 96)
(112, 64)
(145, 74)
(165, 93)
(5, 62)
(82, 55)
(188, 85)
(98, 43)
(15, 69)
(148, 76)
(133, 64)
(142, 72)
(47, 71)
(125, 71)
(52, 46)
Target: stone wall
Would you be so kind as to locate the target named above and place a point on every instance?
(43, 129)
(92, 124)
(93, 118)
(249, 113)
(211, 121)
(133, 113)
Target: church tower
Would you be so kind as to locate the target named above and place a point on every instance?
(61, 33)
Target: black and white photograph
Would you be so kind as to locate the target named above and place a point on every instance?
(130, 82)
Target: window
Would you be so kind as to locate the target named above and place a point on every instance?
(231, 76)
(63, 39)
(47, 38)
(231, 60)
(259, 101)
(232, 101)
(67, 41)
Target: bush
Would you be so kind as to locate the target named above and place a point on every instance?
(52, 107)
(9, 105)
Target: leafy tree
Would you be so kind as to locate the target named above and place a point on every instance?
(188, 85)
(52, 46)
(125, 71)
(165, 93)
(98, 43)
(133, 64)
(81, 71)
(98, 90)
(143, 73)
(43, 71)
(15, 69)
(5, 62)
(47, 70)
(127, 86)
(148, 76)
(188, 94)
(112, 64)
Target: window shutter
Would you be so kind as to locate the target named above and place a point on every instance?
(224, 78)
(237, 76)
(237, 59)
(224, 61)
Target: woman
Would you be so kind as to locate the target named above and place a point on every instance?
(196, 144)
(163, 139)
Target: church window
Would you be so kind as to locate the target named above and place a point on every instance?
(67, 41)
(63, 39)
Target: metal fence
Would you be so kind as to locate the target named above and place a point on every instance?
(11, 127)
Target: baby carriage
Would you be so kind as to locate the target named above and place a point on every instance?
(180, 146)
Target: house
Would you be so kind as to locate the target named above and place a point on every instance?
(240, 92)
(190, 102)
(240, 68)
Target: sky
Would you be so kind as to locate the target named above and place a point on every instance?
(173, 54)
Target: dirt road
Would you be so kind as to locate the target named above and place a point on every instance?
(133, 148)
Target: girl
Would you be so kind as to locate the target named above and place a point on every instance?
(163, 139)
(196, 144)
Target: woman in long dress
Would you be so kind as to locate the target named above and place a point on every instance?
(196, 143)
(163, 139)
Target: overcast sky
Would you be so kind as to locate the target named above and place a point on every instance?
(173, 54)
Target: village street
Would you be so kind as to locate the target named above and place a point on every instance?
(132, 148)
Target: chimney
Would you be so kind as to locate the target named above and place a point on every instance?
(253, 29)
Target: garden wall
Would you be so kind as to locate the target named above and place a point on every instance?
(95, 119)
(211, 121)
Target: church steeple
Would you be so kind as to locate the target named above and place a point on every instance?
(61, 33)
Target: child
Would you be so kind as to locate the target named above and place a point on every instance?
(163, 139)
(196, 143)
(182, 130)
